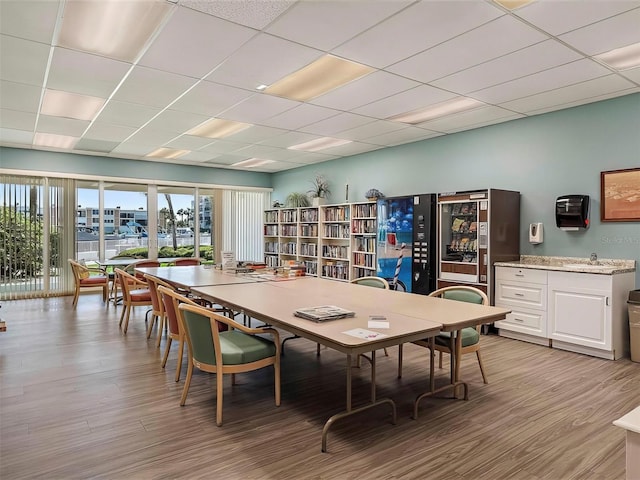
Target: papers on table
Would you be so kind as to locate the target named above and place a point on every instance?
(323, 313)
(366, 334)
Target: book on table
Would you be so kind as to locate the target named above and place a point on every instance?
(323, 313)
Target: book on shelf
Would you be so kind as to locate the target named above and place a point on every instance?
(323, 313)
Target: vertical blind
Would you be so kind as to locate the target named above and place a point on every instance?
(34, 246)
(242, 223)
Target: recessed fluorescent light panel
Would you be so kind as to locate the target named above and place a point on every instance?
(512, 4)
(317, 78)
(437, 110)
(262, 87)
(167, 153)
(111, 28)
(319, 144)
(218, 128)
(70, 105)
(55, 141)
(622, 58)
(252, 162)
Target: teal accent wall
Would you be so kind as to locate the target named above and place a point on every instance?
(64, 163)
(542, 157)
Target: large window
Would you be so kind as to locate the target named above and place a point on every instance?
(34, 245)
(242, 219)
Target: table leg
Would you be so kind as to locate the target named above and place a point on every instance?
(349, 408)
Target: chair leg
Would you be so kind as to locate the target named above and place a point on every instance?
(318, 350)
(484, 377)
(386, 354)
(179, 366)
(440, 359)
(187, 383)
(219, 390)
(160, 328)
(105, 293)
(166, 351)
(75, 296)
(128, 308)
(124, 310)
(276, 367)
(154, 317)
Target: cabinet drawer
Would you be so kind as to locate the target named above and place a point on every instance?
(528, 295)
(532, 322)
(527, 275)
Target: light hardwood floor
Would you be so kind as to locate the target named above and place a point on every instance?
(79, 400)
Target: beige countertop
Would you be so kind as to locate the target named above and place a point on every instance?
(603, 266)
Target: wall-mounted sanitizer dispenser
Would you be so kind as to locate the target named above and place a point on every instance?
(536, 233)
(572, 212)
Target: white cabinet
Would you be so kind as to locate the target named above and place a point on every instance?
(524, 292)
(580, 312)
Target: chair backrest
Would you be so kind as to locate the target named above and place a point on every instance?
(127, 283)
(462, 293)
(186, 261)
(202, 333)
(79, 270)
(171, 299)
(377, 282)
(142, 263)
(156, 301)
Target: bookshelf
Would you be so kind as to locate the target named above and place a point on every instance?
(363, 239)
(333, 241)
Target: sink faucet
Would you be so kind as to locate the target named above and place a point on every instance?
(594, 258)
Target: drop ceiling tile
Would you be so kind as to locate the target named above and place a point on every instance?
(62, 126)
(33, 20)
(258, 151)
(367, 89)
(275, 167)
(223, 146)
(280, 154)
(148, 136)
(257, 108)
(228, 159)
(192, 44)
(256, 134)
(16, 120)
(175, 121)
(633, 75)
(325, 25)
(413, 99)
(586, 100)
(127, 114)
(251, 13)
(18, 137)
(79, 72)
(89, 145)
(312, 157)
(353, 148)
(19, 96)
(417, 28)
(197, 156)
(615, 32)
(23, 61)
(573, 93)
(372, 129)
(188, 142)
(518, 64)
(546, 80)
(288, 139)
(399, 137)
(133, 149)
(561, 17)
(210, 99)
(333, 125)
(108, 132)
(468, 119)
(472, 48)
(146, 86)
(300, 116)
(263, 60)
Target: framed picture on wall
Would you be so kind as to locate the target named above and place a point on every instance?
(620, 195)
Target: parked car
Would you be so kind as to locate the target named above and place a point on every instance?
(184, 232)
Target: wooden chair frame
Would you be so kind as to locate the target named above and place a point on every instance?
(129, 283)
(158, 312)
(81, 272)
(220, 369)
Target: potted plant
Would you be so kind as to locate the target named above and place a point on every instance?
(297, 199)
(372, 194)
(320, 190)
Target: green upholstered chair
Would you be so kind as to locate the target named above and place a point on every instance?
(236, 350)
(376, 282)
(470, 335)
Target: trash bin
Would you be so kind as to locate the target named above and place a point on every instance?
(634, 324)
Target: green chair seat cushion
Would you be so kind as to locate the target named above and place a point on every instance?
(238, 348)
(470, 336)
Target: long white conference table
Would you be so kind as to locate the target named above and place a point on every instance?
(405, 318)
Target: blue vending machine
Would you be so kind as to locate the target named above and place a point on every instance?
(406, 242)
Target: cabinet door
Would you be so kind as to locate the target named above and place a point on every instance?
(580, 315)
